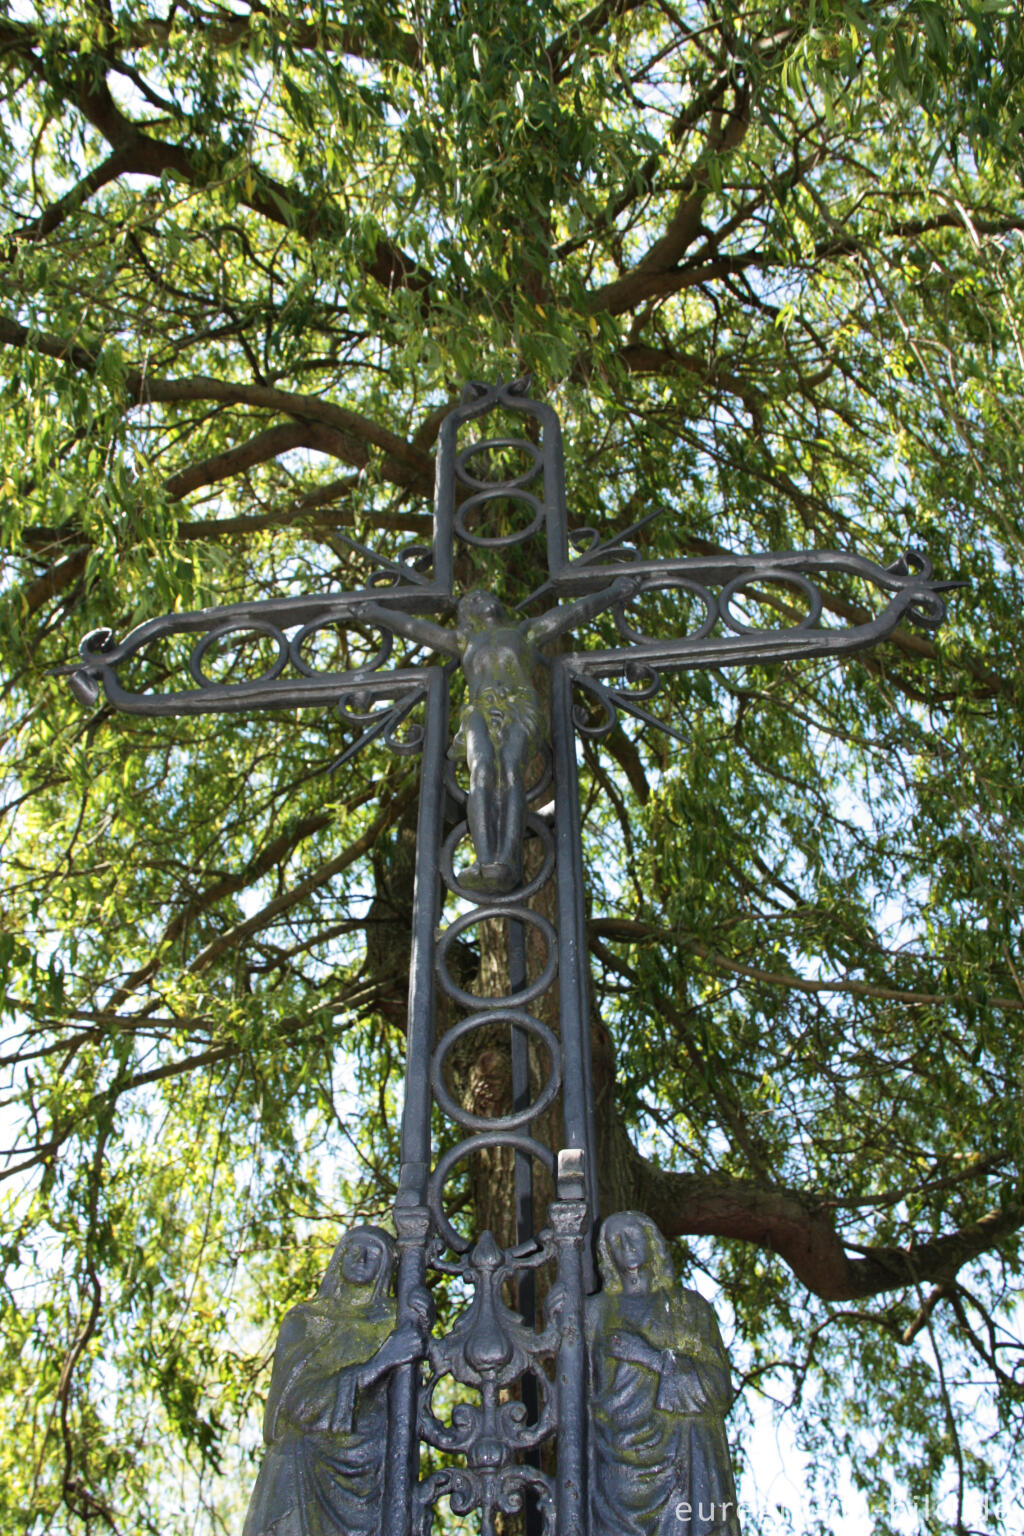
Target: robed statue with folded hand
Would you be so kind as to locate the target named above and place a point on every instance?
(660, 1391)
(326, 1416)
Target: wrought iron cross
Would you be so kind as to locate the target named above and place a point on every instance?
(358, 1462)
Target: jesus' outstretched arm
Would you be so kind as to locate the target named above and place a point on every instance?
(422, 631)
(559, 621)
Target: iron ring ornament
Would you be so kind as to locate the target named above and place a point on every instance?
(488, 445)
(515, 1141)
(707, 599)
(534, 826)
(254, 629)
(498, 541)
(476, 1021)
(733, 589)
(374, 1311)
(518, 995)
(373, 663)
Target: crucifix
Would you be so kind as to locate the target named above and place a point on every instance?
(605, 1413)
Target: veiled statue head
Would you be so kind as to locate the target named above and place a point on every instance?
(360, 1269)
(632, 1255)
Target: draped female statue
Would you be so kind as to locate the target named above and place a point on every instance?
(660, 1391)
(326, 1417)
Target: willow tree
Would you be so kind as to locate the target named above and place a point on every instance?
(763, 258)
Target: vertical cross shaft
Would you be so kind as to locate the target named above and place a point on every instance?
(490, 1477)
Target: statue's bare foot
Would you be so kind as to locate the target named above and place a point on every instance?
(499, 878)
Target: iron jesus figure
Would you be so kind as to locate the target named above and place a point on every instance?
(502, 724)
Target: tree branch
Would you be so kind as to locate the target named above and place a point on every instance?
(786, 1223)
(318, 877)
(116, 164)
(217, 30)
(256, 450)
(271, 854)
(403, 464)
(54, 581)
(143, 155)
(638, 357)
(628, 930)
(319, 424)
(627, 293)
(728, 130)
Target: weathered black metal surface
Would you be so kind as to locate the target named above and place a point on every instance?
(502, 726)
(625, 1379)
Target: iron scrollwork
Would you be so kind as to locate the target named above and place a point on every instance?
(722, 638)
(288, 625)
(490, 1349)
(290, 681)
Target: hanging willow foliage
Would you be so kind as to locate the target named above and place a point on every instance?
(764, 260)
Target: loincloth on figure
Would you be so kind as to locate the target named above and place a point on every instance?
(503, 710)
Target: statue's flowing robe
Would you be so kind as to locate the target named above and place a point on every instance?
(660, 1462)
(322, 1474)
